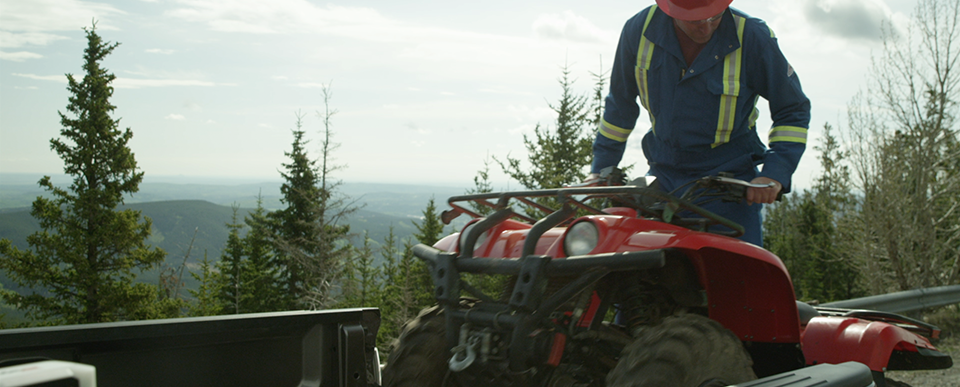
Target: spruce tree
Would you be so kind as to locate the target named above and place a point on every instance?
(297, 227)
(810, 231)
(429, 231)
(362, 279)
(83, 263)
(262, 280)
(231, 268)
(311, 243)
(207, 294)
(556, 157)
(395, 286)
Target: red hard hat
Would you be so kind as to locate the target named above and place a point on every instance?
(693, 9)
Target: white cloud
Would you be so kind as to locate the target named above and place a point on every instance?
(56, 78)
(310, 85)
(14, 40)
(128, 83)
(54, 15)
(542, 114)
(414, 127)
(278, 16)
(19, 56)
(175, 117)
(504, 90)
(848, 18)
(569, 26)
(160, 51)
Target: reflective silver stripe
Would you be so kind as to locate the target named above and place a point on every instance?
(644, 58)
(788, 134)
(731, 88)
(614, 132)
(752, 121)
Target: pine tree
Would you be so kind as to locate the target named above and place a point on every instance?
(296, 227)
(208, 302)
(429, 231)
(231, 267)
(83, 262)
(334, 207)
(395, 287)
(362, 279)
(262, 280)
(311, 242)
(809, 231)
(560, 156)
(481, 185)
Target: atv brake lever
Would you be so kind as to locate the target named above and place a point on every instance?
(729, 180)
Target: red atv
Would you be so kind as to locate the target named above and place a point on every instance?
(645, 292)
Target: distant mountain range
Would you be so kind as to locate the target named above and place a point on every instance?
(178, 211)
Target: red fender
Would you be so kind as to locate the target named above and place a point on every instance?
(835, 340)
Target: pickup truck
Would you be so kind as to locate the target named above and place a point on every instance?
(307, 348)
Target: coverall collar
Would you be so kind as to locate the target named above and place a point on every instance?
(724, 41)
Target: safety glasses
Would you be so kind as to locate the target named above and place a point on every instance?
(705, 21)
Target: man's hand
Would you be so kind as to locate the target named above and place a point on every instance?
(763, 195)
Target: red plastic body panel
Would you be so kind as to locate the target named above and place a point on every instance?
(836, 340)
(748, 288)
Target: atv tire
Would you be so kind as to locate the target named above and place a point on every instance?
(420, 357)
(893, 383)
(685, 350)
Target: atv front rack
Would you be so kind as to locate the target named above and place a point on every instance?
(649, 202)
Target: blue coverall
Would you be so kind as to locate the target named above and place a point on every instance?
(703, 116)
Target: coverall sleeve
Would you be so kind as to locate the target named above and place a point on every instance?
(775, 80)
(620, 106)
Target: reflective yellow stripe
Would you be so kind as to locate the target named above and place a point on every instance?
(752, 121)
(645, 51)
(772, 35)
(614, 132)
(788, 134)
(731, 88)
(644, 58)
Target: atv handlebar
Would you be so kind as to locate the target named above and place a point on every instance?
(649, 201)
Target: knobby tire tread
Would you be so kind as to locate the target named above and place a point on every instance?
(686, 350)
(420, 357)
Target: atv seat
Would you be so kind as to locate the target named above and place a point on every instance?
(806, 312)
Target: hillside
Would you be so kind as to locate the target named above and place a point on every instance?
(175, 222)
(18, 191)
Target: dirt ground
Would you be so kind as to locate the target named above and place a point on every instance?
(938, 378)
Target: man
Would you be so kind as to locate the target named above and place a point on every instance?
(698, 68)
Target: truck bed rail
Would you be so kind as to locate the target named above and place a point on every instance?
(301, 348)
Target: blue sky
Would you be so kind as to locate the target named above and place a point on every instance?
(424, 90)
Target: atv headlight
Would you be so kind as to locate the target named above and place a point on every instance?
(466, 231)
(581, 239)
